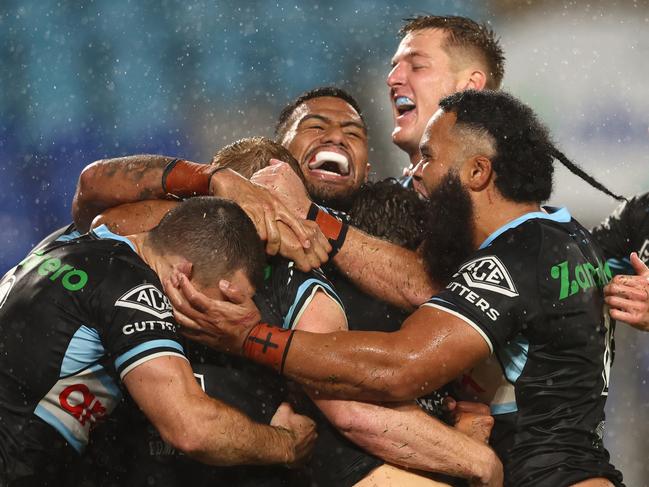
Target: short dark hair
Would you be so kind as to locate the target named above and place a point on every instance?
(249, 155)
(215, 235)
(324, 91)
(387, 210)
(524, 152)
(465, 34)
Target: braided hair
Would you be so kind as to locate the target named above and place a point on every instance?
(525, 153)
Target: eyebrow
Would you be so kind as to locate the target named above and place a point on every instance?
(410, 54)
(346, 123)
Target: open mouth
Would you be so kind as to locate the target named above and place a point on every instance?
(330, 162)
(403, 104)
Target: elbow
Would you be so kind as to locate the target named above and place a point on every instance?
(84, 194)
(406, 383)
(186, 440)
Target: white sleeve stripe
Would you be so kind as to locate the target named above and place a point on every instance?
(308, 300)
(466, 320)
(147, 358)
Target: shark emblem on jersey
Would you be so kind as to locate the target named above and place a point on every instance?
(488, 273)
(147, 298)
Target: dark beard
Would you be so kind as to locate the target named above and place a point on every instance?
(337, 201)
(448, 239)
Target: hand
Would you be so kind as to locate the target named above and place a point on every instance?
(264, 209)
(303, 430)
(286, 185)
(472, 418)
(305, 259)
(220, 324)
(628, 296)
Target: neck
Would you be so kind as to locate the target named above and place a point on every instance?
(490, 217)
(143, 249)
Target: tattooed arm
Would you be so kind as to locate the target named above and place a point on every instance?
(108, 183)
(111, 182)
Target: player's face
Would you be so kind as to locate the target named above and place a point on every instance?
(421, 76)
(439, 153)
(328, 138)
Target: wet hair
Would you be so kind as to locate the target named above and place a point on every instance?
(324, 91)
(467, 36)
(249, 155)
(523, 151)
(215, 235)
(387, 210)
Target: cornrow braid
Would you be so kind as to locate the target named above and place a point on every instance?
(576, 170)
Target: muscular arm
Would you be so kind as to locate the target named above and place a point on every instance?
(431, 349)
(204, 428)
(381, 269)
(384, 270)
(134, 218)
(111, 182)
(404, 436)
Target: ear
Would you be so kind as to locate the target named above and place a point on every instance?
(473, 80)
(478, 173)
(368, 168)
(183, 267)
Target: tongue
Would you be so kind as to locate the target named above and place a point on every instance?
(326, 156)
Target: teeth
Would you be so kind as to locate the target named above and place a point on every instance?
(326, 156)
(404, 102)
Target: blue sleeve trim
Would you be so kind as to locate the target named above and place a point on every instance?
(102, 232)
(68, 236)
(298, 302)
(508, 407)
(621, 266)
(146, 346)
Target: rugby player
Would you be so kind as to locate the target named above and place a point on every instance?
(81, 316)
(486, 167)
(297, 298)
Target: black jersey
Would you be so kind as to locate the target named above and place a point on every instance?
(534, 293)
(76, 316)
(626, 230)
(255, 390)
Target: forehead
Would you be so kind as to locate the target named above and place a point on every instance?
(439, 128)
(329, 107)
(425, 42)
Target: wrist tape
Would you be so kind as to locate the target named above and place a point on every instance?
(332, 228)
(185, 179)
(268, 345)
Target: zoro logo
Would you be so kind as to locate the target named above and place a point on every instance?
(488, 273)
(82, 404)
(644, 252)
(147, 298)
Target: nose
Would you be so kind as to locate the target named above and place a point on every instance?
(396, 76)
(418, 171)
(334, 135)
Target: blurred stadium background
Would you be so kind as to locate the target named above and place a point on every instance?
(82, 81)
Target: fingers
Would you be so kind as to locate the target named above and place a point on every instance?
(639, 266)
(321, 245)
(196, 299)
(180, 306)
(273, 238)
(473, 407)
(283, 214)
(231, 292)
(625, 291)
